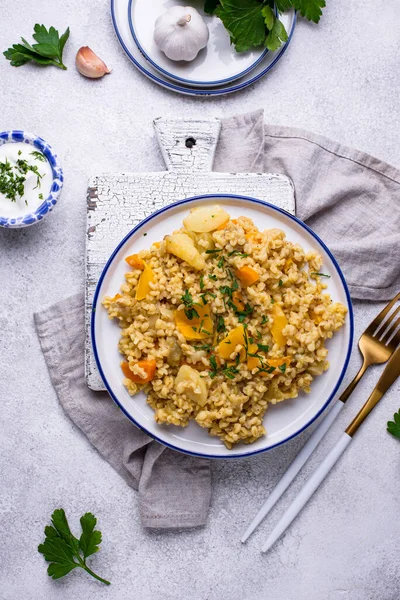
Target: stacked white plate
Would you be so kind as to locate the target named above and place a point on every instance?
(218, 68)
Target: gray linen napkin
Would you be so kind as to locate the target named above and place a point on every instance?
(351, 199)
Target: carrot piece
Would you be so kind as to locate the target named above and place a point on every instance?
(235, 337)
(149, 366)
(135, 262)
(247, 275)
(279, 323)
(143, 287)
(238, 300)
(116, 297)
(197, 328)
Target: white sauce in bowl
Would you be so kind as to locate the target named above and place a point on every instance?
(33, 196)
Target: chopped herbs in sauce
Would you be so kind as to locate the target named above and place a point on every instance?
(13, 177)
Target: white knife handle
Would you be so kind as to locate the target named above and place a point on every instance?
(294, 467)
(308, 489)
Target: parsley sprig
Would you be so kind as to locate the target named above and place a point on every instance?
(393, 427)
(229, 372)
(253, 23)
(65, 552)
(48, 49)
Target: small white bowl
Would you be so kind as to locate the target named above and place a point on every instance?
(32, 217)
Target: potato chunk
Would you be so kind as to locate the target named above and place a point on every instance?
(205, 219)
(189, 382)
(182, 246)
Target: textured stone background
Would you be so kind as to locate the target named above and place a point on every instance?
(340, 79)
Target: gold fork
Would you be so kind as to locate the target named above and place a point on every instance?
(377, 344)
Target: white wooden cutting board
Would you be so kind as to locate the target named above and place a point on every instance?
(118, 202)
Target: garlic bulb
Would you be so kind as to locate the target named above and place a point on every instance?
(181, 33)
(89, 64)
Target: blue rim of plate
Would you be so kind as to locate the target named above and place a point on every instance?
(254, 201)
(182, 79)
(198, 91)
(18, 135)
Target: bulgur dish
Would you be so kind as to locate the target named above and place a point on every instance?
(219, 320)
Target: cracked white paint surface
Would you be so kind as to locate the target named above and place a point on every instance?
(118, 202)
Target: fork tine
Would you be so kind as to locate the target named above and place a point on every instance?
(379, 318)
(385, 339)
(386, 324)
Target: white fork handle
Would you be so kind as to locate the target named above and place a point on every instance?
(308, 489)
(294, 468)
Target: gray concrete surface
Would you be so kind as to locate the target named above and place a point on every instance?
(340, 79)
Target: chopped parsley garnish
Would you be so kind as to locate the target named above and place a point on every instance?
(40, 196)
(259, 335)
(280, 284)
(263, 347)
(320, 274)
(213, 277)
(213, 251)
(282, 368)
(206, 347)
(220, 324)
(203, 297)
(266, 369)
(202, 282)
(13, 177)
(272, 301)
(190, 311)
(38, 156)
(264, 320)
(221, 262)
(229, 372)
(238, 253)
(251, 340)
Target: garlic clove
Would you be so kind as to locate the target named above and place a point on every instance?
(89, 64)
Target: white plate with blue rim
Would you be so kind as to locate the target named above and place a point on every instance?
(119, 13)
(216, 64)
(40, 190)
(282, 421)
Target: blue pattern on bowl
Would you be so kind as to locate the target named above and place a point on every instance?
(48, 204)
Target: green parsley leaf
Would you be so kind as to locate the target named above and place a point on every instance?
(310, 9)
(276, 36)
(237, 253)
(264, 320)
(202, 282)
(320, 274)
(38, 156)
(244, 21)
(47, 51)
(269, 17)
(213, 251)
(220, 324)
(187, 300)
(221, 262)
(393, 427)
(213, 277)
(280, 283)
(263, 347)
(282, 368)
(206, 347)
(64, 551)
